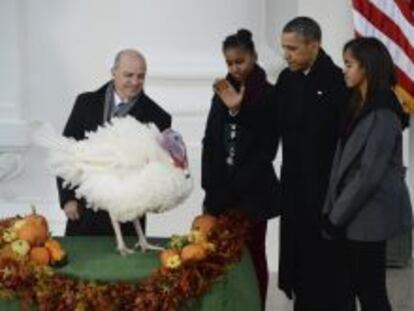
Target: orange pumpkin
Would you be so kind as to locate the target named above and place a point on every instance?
(40, 255)
(204, 223)
(193, 252)
(34, 234)
(35, 218)
(34, 230)
(57, 253)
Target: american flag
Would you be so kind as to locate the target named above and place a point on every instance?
(392, 22)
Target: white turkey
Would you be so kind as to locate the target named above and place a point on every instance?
(125, 168)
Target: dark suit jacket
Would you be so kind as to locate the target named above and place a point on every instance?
(368, 196)
(87, 115)
(309, 115)
(252, 185)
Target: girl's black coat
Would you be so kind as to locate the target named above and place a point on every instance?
(252, 185)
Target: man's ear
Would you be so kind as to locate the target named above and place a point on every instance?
(315, 45)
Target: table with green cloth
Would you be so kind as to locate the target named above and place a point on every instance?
(95, 258)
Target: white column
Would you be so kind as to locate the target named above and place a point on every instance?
(13, 130)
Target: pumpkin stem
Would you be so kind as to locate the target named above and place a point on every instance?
(33, 207)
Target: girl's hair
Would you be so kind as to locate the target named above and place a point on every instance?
(242, 39)
(374, 58)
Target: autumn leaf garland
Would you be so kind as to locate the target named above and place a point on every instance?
(165, 289)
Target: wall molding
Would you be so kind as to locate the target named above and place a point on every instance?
(190, 70)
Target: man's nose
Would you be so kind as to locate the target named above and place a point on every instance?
(234, 69)
(135, 80)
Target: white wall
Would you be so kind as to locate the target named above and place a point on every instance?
(50, 50)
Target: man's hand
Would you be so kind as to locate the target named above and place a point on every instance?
(71, 209)
(228, 94)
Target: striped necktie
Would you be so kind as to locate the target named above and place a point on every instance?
(120, 109)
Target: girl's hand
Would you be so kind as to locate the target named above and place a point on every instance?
(230, 97)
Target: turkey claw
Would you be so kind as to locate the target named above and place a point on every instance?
(144, 246)
(124, 251)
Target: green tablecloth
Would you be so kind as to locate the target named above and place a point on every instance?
(94, 258)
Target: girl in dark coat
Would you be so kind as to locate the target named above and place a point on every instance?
(239, 146)
(367, 200)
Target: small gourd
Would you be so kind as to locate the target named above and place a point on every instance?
(40, 255)
(204, 223)
(193, 252)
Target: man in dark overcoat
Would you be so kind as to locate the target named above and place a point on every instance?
(311, 95)
(123, 95)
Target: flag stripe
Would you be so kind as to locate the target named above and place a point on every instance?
(394, 12)
(365, 28)
(392, 22)
(406, 9)
(387, 26)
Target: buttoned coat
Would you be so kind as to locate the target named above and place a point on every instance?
(310, 106)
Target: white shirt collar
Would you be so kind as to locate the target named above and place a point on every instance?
(117, 99)
(306, 72)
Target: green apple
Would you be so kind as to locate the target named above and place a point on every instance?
(178, 241)
(9, 235)
(20, 247)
